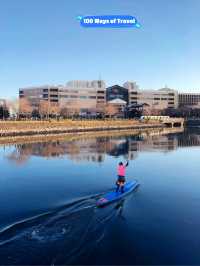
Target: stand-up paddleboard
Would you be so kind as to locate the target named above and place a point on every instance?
(114, 196)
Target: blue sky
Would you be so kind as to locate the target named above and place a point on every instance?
(41, 42)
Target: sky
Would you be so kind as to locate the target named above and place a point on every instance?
(42, 42)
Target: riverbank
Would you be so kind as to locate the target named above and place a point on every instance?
(33, 128)
(71, 137)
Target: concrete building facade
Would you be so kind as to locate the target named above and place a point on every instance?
(36, 94)
(189, 100)
(81, 96)
(155, 99)
(85, 96)
(92, 96)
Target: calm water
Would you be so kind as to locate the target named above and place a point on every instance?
(48, 193)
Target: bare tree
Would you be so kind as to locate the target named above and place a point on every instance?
(65, 112)
(54, 109)
(44, 109)
(25, 107)
(111, 110)
(73, 108)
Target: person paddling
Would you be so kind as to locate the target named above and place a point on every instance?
(121, 170)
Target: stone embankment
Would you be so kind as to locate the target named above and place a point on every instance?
(32, 128)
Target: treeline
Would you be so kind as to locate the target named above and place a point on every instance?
(47, 109)
(4, 112)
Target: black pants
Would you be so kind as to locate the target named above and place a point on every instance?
(120, 183)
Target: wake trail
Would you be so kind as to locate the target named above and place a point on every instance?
(13, 231)
(56, 236)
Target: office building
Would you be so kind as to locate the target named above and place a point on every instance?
(77, 96)
(189, 100)
(83, 96)
(36, 94)
(155, 99)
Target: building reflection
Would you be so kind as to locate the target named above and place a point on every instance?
(96, 148)
(189, 138)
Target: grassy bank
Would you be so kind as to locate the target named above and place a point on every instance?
(31, 128)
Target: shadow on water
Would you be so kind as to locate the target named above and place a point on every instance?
(59, 236)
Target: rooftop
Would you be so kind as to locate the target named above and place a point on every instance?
(117, 101)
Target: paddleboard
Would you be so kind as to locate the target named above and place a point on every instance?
(115, 196)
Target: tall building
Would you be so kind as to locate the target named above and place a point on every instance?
(156, 99)
(189, 100)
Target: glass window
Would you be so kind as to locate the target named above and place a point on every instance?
(54, 100)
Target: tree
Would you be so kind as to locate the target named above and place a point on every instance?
(35, 114)
(54, 110)
(44, 109)
(65, 112)
(111, 110)
(4, 112)
(48, 109)
(25, 107)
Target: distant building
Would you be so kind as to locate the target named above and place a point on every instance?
(155, 99)
(189, 100)
(35, 94)
(133, 89)
(85, 96)
(117, 92)
(82, 96)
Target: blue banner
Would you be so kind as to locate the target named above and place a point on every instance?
(112, 21)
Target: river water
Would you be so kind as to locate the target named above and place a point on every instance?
(48, 192)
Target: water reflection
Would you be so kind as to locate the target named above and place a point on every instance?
(94, 149)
